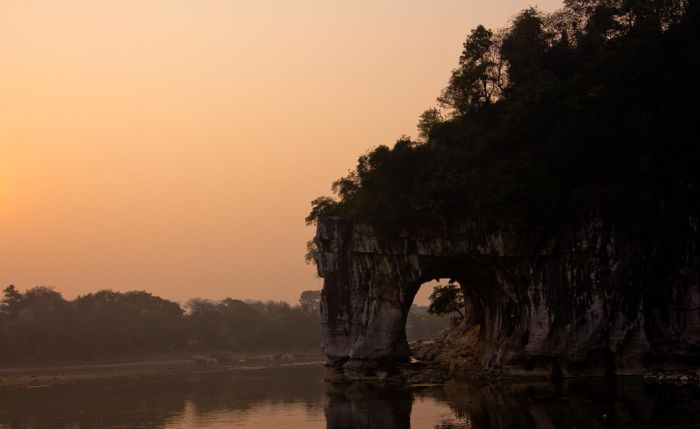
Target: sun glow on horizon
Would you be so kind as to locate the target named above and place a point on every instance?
(175, 146)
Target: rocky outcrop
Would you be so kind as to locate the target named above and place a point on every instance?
(588, 301)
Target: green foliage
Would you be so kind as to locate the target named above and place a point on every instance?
(321, 206)
(11, 300)
(479, 78)
(39, 325)
(112, 322)
(446, 300)
(587, 112)
(427, 121)
(310, 250)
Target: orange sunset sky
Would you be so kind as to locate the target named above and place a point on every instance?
(174, 146)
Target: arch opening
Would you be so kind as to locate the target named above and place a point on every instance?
(422, 323)
(464, 306)
(491, 320)
(371, 284)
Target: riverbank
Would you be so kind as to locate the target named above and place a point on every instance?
(31, 377)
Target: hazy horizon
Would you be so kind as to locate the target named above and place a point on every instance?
(174, 146)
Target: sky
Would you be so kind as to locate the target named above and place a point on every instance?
(174, 146)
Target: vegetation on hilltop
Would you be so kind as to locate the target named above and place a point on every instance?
(588, 111)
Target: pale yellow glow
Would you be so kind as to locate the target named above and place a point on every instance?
(174, 145)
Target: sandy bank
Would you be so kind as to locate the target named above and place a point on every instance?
(37, 377)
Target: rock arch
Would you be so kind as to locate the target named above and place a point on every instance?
(572, 304)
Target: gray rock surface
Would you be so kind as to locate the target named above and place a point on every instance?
(590, 301)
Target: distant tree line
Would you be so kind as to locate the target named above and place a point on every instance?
(40, 326)
(422, 323)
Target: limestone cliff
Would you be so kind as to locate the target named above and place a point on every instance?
(585, 301)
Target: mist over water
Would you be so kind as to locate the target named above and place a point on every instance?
(296, 397)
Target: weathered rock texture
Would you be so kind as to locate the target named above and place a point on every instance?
(587, 301)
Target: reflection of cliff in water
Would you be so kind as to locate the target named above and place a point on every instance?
(295, 397)
(360, 406)
(585, 404)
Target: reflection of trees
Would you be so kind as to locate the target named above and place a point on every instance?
(152, 403)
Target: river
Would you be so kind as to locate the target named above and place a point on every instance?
(296, 397)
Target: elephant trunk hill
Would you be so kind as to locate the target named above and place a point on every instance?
(589, 301)
(557, 185)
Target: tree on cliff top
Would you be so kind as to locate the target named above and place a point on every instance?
(479, 78)
(428, 120)
(587, 112)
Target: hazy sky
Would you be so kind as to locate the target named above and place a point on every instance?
(174, 146)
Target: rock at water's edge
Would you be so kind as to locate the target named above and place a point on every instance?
(586, 302)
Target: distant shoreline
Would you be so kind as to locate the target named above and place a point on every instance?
(33, 377)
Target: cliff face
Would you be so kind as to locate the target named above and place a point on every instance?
(589, 301)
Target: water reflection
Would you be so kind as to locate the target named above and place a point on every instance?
(369, 407)
(295, 397)
(198, 401)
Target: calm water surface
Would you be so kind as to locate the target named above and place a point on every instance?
(295, 397)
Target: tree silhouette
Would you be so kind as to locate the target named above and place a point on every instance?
(446, 300)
